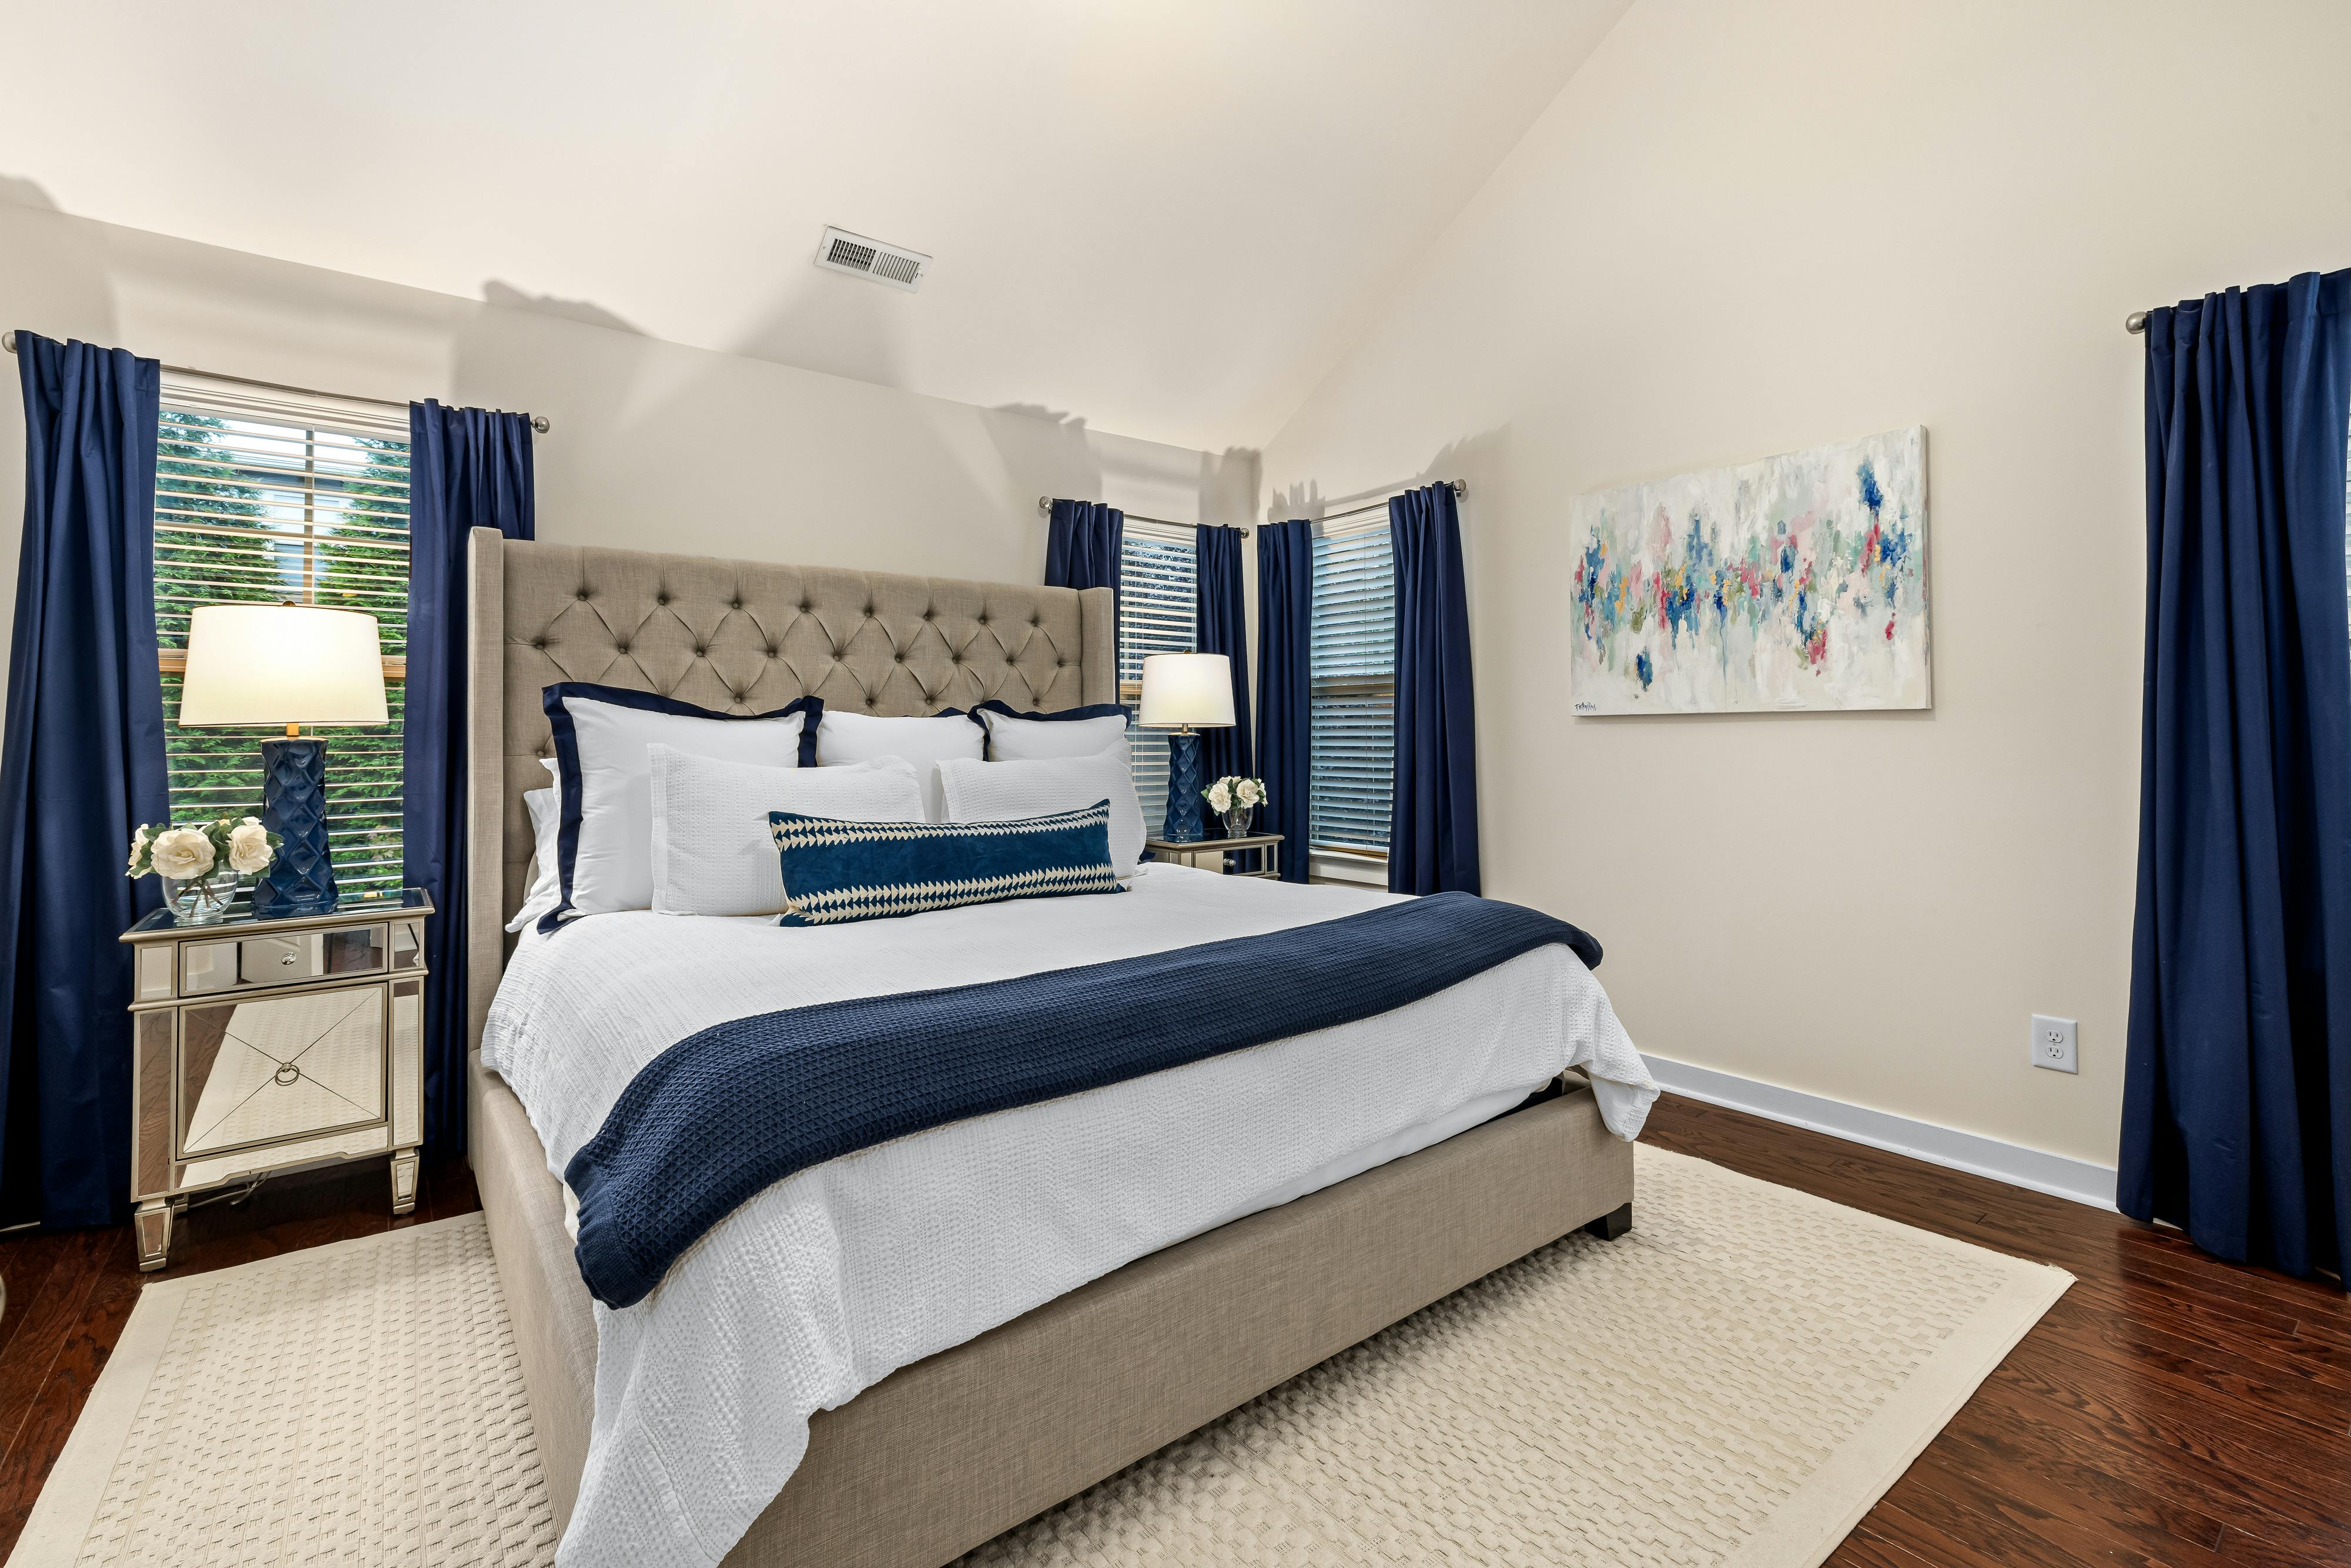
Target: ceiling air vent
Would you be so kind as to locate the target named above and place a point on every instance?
(891, 264)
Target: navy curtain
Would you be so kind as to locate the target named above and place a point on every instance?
(1220, 626)
(1082, 540)
(2237, 1086)
(1432, 838)
(1285, 623)
(81, 767)
(468, 468)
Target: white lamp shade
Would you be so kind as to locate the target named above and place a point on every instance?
(282, 664)
(1187, 688)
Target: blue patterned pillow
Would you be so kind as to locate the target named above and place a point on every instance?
(836, 872)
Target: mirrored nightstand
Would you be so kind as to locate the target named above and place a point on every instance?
(1224, 854)
(264, 1045)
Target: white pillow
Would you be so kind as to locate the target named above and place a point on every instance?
(546, 887)
(1007, 792)
(863, 737)
(1041, 736)
(604, 847)
(712, 852)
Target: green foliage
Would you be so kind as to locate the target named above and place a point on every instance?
(253, 512)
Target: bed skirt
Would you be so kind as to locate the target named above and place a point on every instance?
(941, 1456)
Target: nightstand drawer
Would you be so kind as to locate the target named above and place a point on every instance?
(291, 958)
(268, 1069)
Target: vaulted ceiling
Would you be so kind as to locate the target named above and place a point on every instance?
(1166, 219)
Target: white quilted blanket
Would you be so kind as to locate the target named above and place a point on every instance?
(836, 1276)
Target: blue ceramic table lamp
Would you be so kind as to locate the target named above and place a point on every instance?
(1189, 691)
(291, 664)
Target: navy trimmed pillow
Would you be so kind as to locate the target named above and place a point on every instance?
(604, 776)
(837, 872)
(1015, 736)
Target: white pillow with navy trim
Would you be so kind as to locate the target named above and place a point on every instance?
(1013, 792)
(842, 738)
(713, 851)
(1041, 736)
(602, 736)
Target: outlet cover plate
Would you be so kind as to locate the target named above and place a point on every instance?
(2055, 1044)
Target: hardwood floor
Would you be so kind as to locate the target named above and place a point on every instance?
(2171, 1410)
(70, 1294)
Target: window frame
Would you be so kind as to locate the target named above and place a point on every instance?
(1336, 859)
(1147, 749)
(276, 468)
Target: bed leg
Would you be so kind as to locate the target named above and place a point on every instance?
(1613, 1224)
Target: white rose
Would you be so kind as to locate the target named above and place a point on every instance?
(248, 846)
(138, 844)
(1250, 791)
(182, 853)
(1219, 796)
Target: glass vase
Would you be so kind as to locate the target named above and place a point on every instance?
(1236, 821)
(200, 900)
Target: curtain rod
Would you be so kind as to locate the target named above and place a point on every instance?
(1461, 488)
(1045, 506)
(538, 422)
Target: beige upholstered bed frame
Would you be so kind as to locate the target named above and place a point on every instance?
(944, 1454)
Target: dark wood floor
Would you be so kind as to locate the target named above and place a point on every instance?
(2171, 1410)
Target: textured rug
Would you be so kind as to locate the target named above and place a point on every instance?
(1734, 1382)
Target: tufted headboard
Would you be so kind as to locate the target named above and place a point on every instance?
(739, 636)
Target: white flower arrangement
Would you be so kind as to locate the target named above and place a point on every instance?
(194, 853)
(1229, 791)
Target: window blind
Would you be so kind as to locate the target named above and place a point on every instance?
(1351, 704)
(267, 498)
(1157, 614)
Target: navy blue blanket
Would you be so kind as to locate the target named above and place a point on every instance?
(731, 1110)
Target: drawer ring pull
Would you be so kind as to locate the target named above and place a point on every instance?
(286, 961)
(287, 1073)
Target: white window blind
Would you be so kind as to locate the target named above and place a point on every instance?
(269, 498)
(1157, 614)
(1351, 707)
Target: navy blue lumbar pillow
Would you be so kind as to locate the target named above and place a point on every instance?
(836, 872)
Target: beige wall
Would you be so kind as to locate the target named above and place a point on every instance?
(1745, 229)
(654, 445)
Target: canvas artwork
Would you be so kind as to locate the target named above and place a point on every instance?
(1794, 584)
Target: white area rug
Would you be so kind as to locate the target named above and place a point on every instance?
(362, 1404)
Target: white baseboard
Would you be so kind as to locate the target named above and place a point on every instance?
(1971, 1152)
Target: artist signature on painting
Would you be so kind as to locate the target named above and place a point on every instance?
(1587, 707)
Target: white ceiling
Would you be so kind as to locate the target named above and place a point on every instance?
(1163, 218)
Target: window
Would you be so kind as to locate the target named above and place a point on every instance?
(1351, 706)
(259, 497)
(1157, 567)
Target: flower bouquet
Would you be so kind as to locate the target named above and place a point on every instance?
(1234, 799)
(201, 864)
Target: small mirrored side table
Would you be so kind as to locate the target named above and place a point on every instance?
(260, 1046)
(1209, 854)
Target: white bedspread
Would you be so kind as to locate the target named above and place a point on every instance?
(836, 1276)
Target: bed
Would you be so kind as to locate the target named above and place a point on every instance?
(1050, 1366)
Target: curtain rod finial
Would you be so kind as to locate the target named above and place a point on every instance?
(1045, 505)
(542, 424)
(1460, 489)
(8, 341)
(2134, 322)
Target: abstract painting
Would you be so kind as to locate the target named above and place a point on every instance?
(1793, 584)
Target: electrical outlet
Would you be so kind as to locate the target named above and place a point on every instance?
(2054, 1044)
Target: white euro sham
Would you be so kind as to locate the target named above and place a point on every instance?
(845, 737)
